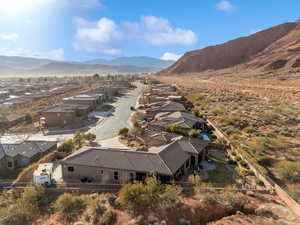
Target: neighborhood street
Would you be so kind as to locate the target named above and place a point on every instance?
(110, 125)
(108, 128)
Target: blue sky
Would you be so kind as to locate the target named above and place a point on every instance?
(86, 29)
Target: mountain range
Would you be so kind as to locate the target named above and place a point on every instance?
(14, 65)
(271, 49)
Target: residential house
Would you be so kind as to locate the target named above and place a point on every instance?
(112, 165)
(169, 106)
(185, 120)
(107, 92)
(84, 99)
(19, 155)
(64, 114)
(11, 120)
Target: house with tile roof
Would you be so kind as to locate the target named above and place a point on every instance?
(19, 155)
(112, 165)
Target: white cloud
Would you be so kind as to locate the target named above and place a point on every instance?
(54, 54)
(97, 37)
(9, 36)
(225, 6)
(170, 56)
(104, 36)
(159, 31)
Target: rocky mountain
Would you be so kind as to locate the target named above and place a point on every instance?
(274, 48)
(13, 65)
(77, 68)
(16, 62)
(139, 61)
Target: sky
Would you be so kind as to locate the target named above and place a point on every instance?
(79, 30)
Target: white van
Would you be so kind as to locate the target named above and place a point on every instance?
(43, 174)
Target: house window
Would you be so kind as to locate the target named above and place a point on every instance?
(116, 175)
(9, 164)
(187, 164)
(71, 169)
(101, 172)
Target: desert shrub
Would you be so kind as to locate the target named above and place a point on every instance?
(294, 191)
(151, 193)
(124, 131)
(175, 129)
(108, 218)
(258, 145)
(134, 196)
(259, 182)
(264, 160)
(243, 163)
(17, 214)
(288, 171)
(231, 162)
(34, 195)
(269, 116)
(194, 133)
(183, 221)
(249, 130)
(228, 120)
(69, 205)
(218, 111)
(170, 196)
(245, 172)
(198, 113)
(90, 137)
(221, 141)
(210, 199)
(94, 210)
(278, 143)
(22, 210)
(233, 200)
(67, 146)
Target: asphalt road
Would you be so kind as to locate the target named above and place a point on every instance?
(111, 125)
(107, 129)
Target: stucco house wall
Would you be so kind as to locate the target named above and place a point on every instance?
(97, 174)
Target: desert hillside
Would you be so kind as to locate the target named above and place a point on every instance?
(273, 48)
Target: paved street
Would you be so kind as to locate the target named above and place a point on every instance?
(111, 125)
(107, 129)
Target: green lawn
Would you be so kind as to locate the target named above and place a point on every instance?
(107, 108)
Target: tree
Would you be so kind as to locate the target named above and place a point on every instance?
(29, 118)
(96, 76)
(67, 147)
(79, 139)
(124, 131)
(90, 137)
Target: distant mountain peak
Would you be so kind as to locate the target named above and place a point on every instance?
(139, 61)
